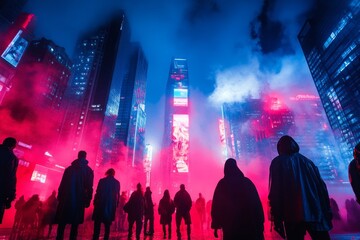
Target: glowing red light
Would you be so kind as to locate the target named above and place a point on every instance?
(27, 21)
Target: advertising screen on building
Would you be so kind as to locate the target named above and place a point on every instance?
(15, 50)
(39, 174)
(180, 143)
(180, 97)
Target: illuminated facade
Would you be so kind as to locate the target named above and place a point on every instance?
(331, 44)
(175, 157)
(253, 127)
(315, 137)
(131, 117)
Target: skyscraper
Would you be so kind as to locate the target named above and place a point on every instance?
(330, 41)
(175, 157)
(131, 118)
(36, 97)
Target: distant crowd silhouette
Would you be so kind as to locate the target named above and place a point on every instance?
(298, 200)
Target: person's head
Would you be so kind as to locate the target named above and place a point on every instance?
(231, 169)
(357, 153)
(166, 194)
(200, 195)
(287, 145)
(138, 186)
(10, 142)
(110, 172)
(82, 155)
(182, 187)
(148, 189)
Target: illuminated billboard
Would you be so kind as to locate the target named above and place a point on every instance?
(39, 174)
(15, 50)
(180, 97)
(180, 143)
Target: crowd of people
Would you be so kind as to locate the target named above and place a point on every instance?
(298, 200)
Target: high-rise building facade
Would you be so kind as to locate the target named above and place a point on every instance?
(330, 41)
(314, 136)
(253, 127)
(35, 101)
(175, 157)
(131, 118)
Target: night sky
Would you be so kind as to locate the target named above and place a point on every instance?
(235, 48)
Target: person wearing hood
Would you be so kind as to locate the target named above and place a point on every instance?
(8, 167)
(74, 195)
(236, 206)
(298, 197)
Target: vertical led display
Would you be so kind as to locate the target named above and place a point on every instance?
(180, 143)
(180, 97)
(15, 50)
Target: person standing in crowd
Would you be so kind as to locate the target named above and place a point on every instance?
(149, 213)
(106, 200)
(200, 209)
(135, 210)
(166, 210)
(236, 206)
(74, 195)
(8, 166)
(354, 172)
(183, 203)
(298, 197)
(121, 215)
(49, 211)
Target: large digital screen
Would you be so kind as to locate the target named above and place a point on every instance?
(180, 143)
(39, 174)
(15, 50)
(180, 97)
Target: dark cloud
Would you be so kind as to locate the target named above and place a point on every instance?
(202, 9)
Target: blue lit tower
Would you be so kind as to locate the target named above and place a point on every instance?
(175, 155)
(330, 41)
(131, 118)
(100, 65)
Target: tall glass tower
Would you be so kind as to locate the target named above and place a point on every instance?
(175, 156)
(331, 44)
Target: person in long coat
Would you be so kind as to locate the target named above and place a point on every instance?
(8, 167)
(135, 210)
(236, 206)
(354, 172)
(183, 203)
(74, 195)
(106, 201)
(298, 197)
(166, 210)
(148, 212)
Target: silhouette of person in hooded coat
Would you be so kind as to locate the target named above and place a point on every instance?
(298, 197)
(236, 206)
(74, 195)
(135, 210)
(166, 210)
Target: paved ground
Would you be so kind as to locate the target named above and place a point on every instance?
(207, 235)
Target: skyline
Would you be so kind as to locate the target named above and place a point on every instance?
(257, 49)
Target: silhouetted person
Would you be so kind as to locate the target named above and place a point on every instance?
(335, 209)
(74, 195)
(352, 215)
(121, 213)
(31, 217)
(166, 210)
(18, 214)
(149, 213)
(49, 211)
(105, 202)
(298, 196)
(183, 203)
(8, 167)
(135, 210)
(236, 206)
(354, 172)
(200, 209)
